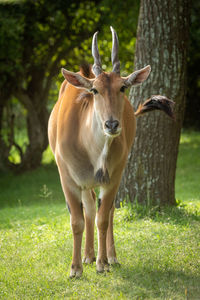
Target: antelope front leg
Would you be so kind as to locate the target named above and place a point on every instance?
(110, 245)
(89, 205)
(105, 205)
(73, 200)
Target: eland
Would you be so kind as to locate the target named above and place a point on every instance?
(91, 131)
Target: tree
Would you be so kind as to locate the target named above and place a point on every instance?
(192, 112)
(162, 41)
(38, 38)
(40, 35)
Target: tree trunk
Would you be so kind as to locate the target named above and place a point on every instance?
(37, 122)
(3, 148)
(161, 42)
(38, 140)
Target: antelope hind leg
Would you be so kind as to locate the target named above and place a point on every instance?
(110, 244)
(89, 205)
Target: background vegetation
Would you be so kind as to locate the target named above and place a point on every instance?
(40, 37)
(158, 248)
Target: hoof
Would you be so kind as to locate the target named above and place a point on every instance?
(76, 271)
(113, 261)
(102, 266)
(88, 260)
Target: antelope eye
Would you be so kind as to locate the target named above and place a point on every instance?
(123, 89)
(94, 91)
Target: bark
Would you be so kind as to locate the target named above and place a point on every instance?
(3, 147)
(37, 121)
(38, 141)
(162, 40)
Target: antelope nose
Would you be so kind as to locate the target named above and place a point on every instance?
(112, 125)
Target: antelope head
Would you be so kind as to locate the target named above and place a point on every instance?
(108, 88)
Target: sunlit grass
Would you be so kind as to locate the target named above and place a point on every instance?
(47, 157)
(188, 167)
(159, 250)
(159, 257)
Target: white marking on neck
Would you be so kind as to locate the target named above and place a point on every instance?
(102, 161)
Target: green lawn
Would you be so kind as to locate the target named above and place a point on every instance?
(159, 252)
(188, 168)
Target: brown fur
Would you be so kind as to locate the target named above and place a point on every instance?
(77, 150)
(90, 153)
(91, 136)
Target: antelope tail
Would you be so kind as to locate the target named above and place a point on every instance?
(157, 102)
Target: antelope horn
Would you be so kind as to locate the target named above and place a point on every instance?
(95, 53)
(114, 55)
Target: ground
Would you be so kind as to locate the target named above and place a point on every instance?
(159, 249)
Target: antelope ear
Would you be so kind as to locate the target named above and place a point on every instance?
(77, 80)
(137, 77)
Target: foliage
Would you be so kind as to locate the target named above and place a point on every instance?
(193, 91)
(41, 43)
(11, 29)
(38, 38)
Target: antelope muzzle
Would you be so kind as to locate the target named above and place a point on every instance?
(112, 128)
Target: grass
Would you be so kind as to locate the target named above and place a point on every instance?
(188, 168)
(159, 250)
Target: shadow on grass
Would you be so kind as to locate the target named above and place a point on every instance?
(181, 214)
(31, 188)
(34, 196)
(42, 211)
(148, 283)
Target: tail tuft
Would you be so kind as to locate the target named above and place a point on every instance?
(157, 102)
